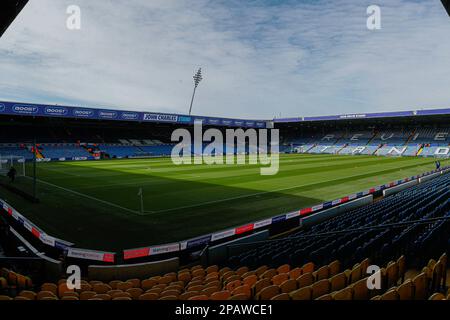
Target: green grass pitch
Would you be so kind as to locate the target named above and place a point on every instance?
(96, 205)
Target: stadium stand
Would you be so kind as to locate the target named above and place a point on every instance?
(425, 142)
(425, 201)
(283, 282)
(119, 151)
(15, 150)
(327, 261)
(67, 151)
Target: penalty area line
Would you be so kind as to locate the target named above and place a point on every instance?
(88, 197)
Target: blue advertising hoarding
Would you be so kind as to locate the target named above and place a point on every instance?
(39, 110)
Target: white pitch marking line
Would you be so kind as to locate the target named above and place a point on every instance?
(87, 196)
(189, 206)
(240, 197)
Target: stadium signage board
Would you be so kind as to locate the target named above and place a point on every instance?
(305, 211)
(160, 117)
(56, 111)
(196, 242)
(165, 248)
(28, 226)
(24, 109)
(352, 196)
(83, 113)
(278, 218)
(90, 255)
(184, 119)
(213, 121)
(129, 116)
(291, 215)
(118, 115)
(62, 245)
(244, 229)
(352, 116)
(48, 240)
(262, 223)
(223, 234)
(107, 114)
(136, 253)
(327, 205)
(150, 251)
(318, 207)
(336, 202)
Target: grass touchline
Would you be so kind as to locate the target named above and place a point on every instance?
(95, 204)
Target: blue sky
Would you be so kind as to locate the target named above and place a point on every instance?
(261, 58)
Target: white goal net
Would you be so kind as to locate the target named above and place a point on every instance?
(8, 161)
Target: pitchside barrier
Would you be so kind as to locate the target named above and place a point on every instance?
(51, 269)
(219, 253)
(335, 211)
(428, 177)
(406, 185)
(185, 247)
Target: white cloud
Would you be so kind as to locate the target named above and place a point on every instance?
(259, 60)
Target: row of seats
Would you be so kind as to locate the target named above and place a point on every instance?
(124, 151)
(391, 149)
(7, 151)
(286, 282)
(10, 280)
(63, 151)
(325, 241)
(325, 261)
(363, 137)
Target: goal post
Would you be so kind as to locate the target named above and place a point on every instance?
(8, 161)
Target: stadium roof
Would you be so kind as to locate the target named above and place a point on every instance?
(9, 10)
(446, 4)
(355, 116)
(57, 111)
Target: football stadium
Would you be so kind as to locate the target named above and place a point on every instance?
(358, 207)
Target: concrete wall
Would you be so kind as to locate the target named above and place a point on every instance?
(431, 176)
(393, 190)
(139, 270)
